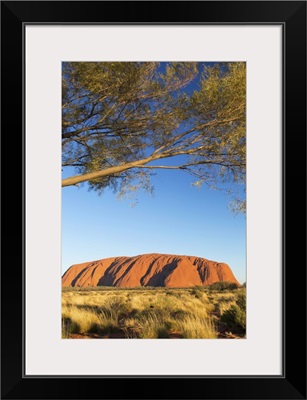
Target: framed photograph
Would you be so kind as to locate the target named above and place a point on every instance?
(161, 157)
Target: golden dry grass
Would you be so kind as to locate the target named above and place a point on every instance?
(143, 313)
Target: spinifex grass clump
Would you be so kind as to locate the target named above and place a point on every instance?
(191, 313)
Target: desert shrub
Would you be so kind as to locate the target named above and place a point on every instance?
(94, 328)
(109, 330)
(241, 300)
(221, 286)
(222, 306)
(68, 327)
(235, 316)
(235, 319)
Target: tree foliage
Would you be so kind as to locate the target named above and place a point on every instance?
(121, 121)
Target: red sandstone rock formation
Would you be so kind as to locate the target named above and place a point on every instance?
(148, 270)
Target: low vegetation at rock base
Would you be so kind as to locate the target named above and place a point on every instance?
(151, 313)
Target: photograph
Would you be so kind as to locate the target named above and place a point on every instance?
(160, 157)
(153, 200)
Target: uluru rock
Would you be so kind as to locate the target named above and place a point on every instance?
(148, 270)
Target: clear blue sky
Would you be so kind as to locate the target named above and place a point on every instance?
(178, 219)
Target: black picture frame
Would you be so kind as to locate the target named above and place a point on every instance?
(292, 383)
